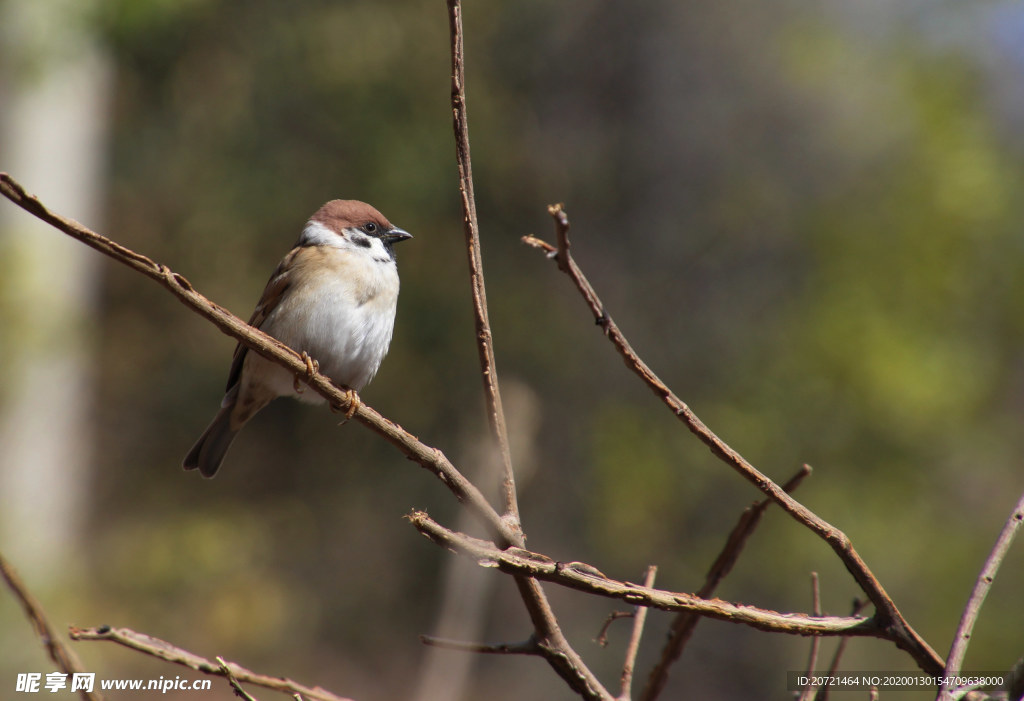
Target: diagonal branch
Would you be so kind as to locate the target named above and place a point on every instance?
(235, 686)
(65, 659)
(165, 651)
(553, 645)
(685, 622)
(984, 582)
(905, 637)
(633, 648)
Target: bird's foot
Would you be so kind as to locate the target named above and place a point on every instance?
(312, 368)
(353, 405)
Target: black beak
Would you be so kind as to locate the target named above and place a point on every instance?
(395, 235)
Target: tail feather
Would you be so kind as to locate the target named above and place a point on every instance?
(208, 452)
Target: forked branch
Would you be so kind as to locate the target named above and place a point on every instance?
(901, 633)
(586, 578)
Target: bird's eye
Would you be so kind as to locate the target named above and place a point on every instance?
(370, 227)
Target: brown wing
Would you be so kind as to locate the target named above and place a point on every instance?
(279, 281)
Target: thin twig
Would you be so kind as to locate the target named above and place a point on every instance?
(171, 653)
(65, 659)
(686, 621)
(833, 667)
(526, 647)
(633, 648)
(812, 662)
(226, 671)
(602, 635)
(562, 255)
(904, 636)
(987, 575)
(554, 646)
(586, 578)
(485, 342)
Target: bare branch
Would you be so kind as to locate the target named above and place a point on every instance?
(171, 653)
(987, 575)
(602, 635)
(485, 342)
(633, 648)
(807, 694)
(586, 578)
(66, 660)
(686, 621)
(741, 532)
(905, 637)
(561, 254)
(239, 691)
(833, 667)
(554, 646)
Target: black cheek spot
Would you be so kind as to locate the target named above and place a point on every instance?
(361, 241)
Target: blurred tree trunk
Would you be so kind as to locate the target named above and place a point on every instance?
(54, 85)
(464, 610)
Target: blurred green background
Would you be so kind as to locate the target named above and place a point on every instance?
(806, 217)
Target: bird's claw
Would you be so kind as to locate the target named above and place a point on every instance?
(353, 405)
(312, 368)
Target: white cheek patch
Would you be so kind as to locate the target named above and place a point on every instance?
(316, 234)
(375, 247)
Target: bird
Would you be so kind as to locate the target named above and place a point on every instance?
(332, 298)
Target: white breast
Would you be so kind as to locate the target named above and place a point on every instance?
(341, 311)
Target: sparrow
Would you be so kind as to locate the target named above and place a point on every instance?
(333, 299)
